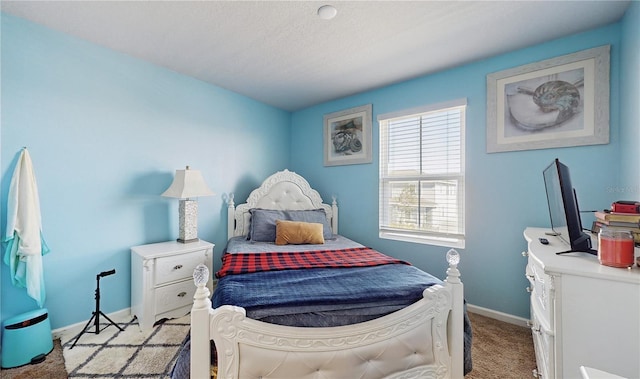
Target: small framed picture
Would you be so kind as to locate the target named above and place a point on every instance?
(347, 136)
(558, 102)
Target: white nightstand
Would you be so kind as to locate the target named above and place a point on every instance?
(162, 279)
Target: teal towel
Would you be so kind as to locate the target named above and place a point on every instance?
(25, 245)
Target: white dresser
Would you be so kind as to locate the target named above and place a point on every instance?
(162, 279)
(582, 313)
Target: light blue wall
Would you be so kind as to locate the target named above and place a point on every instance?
(505, 191)
(630, 104)
(106, 133)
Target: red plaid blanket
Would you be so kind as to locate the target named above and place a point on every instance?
(244, 263)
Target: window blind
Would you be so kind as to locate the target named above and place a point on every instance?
(422, 174)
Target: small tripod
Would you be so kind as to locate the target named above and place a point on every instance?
(96, 315)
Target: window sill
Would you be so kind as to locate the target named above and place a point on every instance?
(425, 240)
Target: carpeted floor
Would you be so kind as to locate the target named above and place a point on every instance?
(500, 350)
(51, 368)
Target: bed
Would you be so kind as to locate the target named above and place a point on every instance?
(325, 309)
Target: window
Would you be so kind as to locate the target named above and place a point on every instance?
(422, 174)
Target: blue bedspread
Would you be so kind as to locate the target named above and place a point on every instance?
(319, 296)
(357, 294)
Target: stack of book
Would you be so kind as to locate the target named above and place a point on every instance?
(621, 221)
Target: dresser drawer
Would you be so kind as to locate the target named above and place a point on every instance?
(174, 296)
(541, 286)
(542, 343)
(177, 267)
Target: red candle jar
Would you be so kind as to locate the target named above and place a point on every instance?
(615, 248)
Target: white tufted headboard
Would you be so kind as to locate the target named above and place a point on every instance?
(284, 190)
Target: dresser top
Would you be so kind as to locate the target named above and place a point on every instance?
(154, 250)
(580, 264)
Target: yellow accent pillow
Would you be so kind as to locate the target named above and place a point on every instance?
(298, 232)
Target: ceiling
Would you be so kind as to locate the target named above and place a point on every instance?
(282, 54)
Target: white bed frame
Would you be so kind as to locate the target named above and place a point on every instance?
(423, 340)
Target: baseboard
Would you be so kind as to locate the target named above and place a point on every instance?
(500, 316)
(77, 327)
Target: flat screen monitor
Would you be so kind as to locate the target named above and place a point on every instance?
(563, 208)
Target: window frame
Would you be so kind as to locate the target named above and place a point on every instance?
(447, 239)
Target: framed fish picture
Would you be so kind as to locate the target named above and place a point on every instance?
(347, 136)
(558, 102)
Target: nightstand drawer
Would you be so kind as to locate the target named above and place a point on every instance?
(177, 267)
(174, 296)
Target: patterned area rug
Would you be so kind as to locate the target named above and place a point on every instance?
(125, 354)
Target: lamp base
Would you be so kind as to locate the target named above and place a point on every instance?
(188, 221)
(189, 240)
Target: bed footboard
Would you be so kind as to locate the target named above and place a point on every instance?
(424, 340)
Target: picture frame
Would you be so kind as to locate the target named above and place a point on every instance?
(558, 102)
(347, 136)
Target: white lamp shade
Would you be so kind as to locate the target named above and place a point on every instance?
(186, 184)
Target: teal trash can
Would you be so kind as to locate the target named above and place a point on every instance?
(26, 338)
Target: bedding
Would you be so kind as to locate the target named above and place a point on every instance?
(316, 294)
(306, 283)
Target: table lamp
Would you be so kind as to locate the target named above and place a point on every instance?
(186, 185)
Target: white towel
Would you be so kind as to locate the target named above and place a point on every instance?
(25, 245)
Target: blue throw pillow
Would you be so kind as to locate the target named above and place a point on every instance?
(263, 222)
